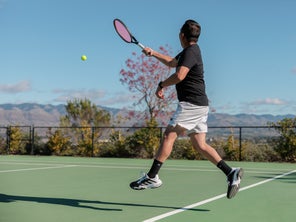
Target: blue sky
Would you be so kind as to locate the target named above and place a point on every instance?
(249, 50)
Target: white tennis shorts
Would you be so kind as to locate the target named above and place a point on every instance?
(191, 117)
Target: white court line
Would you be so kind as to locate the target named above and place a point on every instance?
(39, 168)
(32, 164)
(138, 166)
(125, 166)
(159, 217)
(174, 169)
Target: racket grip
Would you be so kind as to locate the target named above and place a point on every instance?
(141, 46)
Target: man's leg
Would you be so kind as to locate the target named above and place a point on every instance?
(234, 175)
(198, 141)
(151, 180)
(170, 135)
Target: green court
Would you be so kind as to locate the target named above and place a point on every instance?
(68, 189)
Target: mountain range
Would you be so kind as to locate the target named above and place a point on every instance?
(27, 114)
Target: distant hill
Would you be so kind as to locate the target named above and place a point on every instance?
(49, 115)
(30, 114)
(216, 119)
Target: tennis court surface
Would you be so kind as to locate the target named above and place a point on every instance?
(68, 189)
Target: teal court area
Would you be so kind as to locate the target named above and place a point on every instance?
(70, 189)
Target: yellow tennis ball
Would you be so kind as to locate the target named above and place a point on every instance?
(83, 57)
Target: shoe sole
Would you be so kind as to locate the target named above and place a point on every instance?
(235, 188)
(155, 186)
(144, 188)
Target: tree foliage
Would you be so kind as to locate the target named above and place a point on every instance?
(16, 146)
(3, 146)
(81, 112)
(145, 141)
(58, 143)
(231, 148)
(79, 130)
(285, 144)
(142, 75)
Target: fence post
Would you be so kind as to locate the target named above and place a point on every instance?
(92, 140)
(32, 132)
(240, 144)
(8, 132)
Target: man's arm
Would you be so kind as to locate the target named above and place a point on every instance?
(174, 79)
(177, 77)
(165, 59)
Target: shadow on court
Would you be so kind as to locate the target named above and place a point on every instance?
(82, 203)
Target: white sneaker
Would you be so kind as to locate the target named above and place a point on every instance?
(233, 180)
(146, 182)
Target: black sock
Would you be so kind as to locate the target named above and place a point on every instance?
(154, 168)
(224, 167)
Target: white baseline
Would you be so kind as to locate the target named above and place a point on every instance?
(36, 168)
(159, 217)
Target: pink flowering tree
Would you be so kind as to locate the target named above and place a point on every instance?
(142, 75)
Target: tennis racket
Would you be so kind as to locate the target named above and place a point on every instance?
(124, 33)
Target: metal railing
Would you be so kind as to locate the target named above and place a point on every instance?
(251, 135)
(29, 136)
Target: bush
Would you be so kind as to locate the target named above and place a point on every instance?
(228, 148)
(143, 143)
(16, 145)
(116, 147)
(260, 153)
(285, 144)
(3, 146)
(58, 144)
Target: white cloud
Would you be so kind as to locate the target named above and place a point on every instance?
(273, 106)
(65, 95)
(19, 87)
(224, 108)
(294, 70)
(269, 101)
(120, 98)
(98, 97)
(261, 106)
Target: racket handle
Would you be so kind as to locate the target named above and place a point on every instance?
(141, 46)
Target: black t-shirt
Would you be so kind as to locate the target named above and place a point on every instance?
(192, 88)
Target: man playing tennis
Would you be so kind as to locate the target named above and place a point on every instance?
(192, 111)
